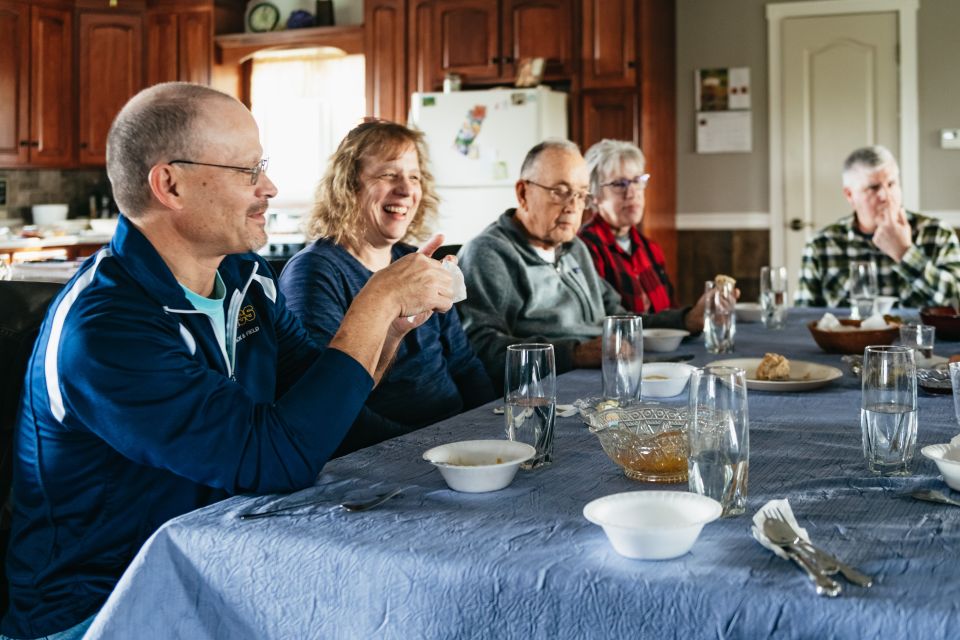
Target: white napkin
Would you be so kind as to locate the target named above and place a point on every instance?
(875, 321)
(828, 322)
(760, 517)
(459, 286)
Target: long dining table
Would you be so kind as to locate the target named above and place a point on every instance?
(524, 562)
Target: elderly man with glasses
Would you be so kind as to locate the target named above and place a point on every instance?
(169, 374)
(530, 279)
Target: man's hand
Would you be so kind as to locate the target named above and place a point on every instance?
(415, 283)
(893, 234)
(589, 354)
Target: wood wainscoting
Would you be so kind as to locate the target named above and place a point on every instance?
(702, 254)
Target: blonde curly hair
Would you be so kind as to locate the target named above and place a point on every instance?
(336, 211)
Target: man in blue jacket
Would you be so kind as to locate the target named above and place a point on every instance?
(168, 373)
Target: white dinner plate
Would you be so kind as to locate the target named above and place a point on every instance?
(804, 376)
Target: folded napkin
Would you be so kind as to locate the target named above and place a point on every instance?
(875, 321)
(783, 506)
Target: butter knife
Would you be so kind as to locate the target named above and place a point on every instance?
(831, 565)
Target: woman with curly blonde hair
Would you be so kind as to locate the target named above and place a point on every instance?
(376, 195)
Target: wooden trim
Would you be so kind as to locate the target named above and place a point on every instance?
(348, 38)
(716, 220)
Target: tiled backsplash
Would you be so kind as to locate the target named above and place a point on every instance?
(36, 186)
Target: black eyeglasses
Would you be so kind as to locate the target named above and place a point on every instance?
(623, 184)
(254, 171)
(562, 194)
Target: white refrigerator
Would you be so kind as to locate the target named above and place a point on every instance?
(477, 141)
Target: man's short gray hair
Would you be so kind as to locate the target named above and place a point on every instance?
(529, 166)
(607, 156)
(866, 158)
(156, 125)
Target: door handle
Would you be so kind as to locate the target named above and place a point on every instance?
(797, 224)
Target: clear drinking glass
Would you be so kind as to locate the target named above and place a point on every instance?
(530, 399)
(622, 357)
(773, 297)
(955, 383)
(719, 318)
(919, 337)
(719, 436)
(888, 413)
(863, 288)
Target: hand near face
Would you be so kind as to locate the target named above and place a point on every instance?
(893, 234)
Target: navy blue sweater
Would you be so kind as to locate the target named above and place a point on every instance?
(436, 373)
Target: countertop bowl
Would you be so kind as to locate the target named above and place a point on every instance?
(652, 525)
(749, 312)
(648, 440)
(665, 379)
(478, 466)
(945, 319)
(48, 214)
(853, 341)
(947, 458)
(663, 339)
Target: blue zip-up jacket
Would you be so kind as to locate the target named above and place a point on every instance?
(133, 414)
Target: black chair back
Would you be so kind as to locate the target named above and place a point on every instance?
(22, 307)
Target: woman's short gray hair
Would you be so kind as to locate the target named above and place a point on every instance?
(156, 125)
(606, 156)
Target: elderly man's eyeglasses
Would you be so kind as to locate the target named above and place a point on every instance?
(254, 171)
(623, 184)
(562, 194)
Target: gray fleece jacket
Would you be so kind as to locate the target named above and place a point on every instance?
(514, 295)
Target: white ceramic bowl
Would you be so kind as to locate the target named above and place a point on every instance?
(47, 214)
(477, 466)
(749, 312)
(664, 379)
(663, 339)
(947, 458)
(652, 525)
(104, 226)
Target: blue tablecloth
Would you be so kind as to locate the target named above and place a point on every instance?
(523, 562)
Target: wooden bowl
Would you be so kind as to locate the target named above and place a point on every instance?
(945, 319)
(852, 341)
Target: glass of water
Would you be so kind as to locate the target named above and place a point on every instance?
(955, 383)
(888, 410)
(773, 297)
(622, 363)
(863, 288)
(530, 399)
(719, 317)
(919, 337)
(719, 437)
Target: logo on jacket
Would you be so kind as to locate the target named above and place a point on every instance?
(247, 314)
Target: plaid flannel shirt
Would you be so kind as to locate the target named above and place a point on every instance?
(928, 273)
(642, 283)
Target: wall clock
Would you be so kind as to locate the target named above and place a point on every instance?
(264, 16)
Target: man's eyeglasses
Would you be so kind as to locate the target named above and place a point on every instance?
(254, 171)
(563, 194)
(623, 184)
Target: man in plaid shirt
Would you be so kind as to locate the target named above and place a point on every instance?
(917, 258)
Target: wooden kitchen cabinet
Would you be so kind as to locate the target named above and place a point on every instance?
(613, 114)
(608, 44)
(384, 37)
(179, 45)
(111, 72)
(483, 40)
(36, 85)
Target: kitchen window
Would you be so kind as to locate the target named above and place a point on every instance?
(304, 101)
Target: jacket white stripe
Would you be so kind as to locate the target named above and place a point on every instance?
(50, 367)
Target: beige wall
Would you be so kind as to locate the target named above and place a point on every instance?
(733, 33)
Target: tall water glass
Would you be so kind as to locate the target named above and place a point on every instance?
(719, 317)
(955, 383)
(773, 297)
(530, 399)
(920, 337)
(622, 357)
(863, 288)
(888, 410)
(719, 436)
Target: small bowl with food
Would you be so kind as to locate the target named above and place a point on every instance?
(478, 466)
(652, 525)
(664, 379)
(663, 339)
(853, 336)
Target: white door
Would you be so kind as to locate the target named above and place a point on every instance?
(840, 92)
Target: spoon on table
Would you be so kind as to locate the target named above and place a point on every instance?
(346, 506)
(782, 535)
(932, 495)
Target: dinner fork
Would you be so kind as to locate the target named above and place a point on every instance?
(828, 562)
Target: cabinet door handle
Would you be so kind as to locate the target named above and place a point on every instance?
(34, 143)
(508, 60)
(83, 145)
(497, 60)
(24, 143)
(631, 64)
